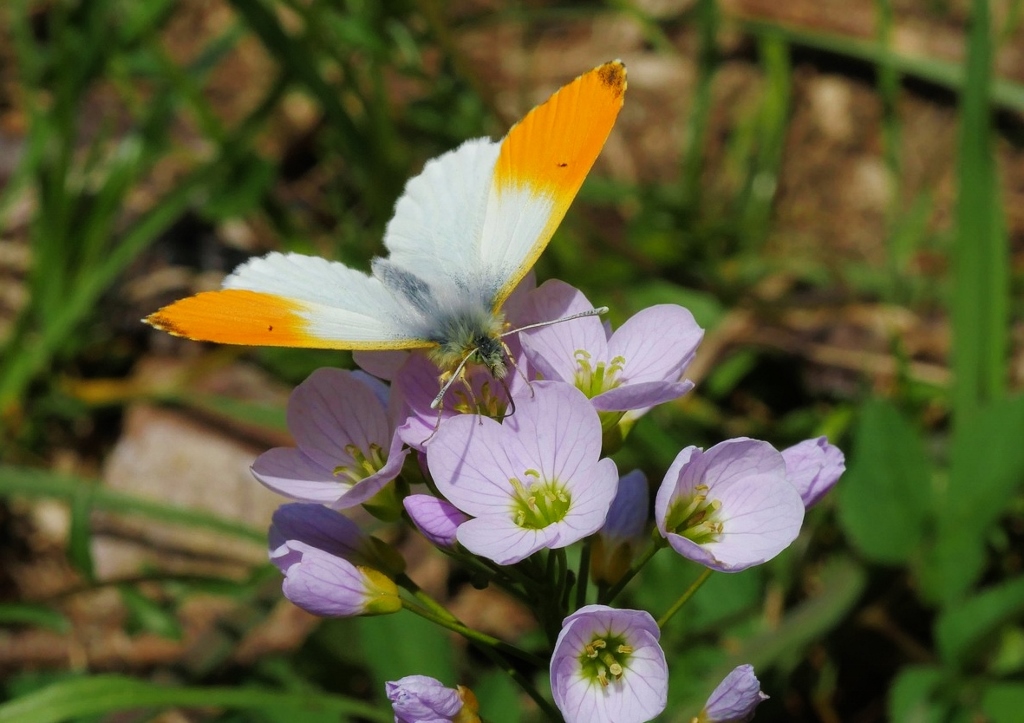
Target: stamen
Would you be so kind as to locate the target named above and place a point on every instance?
(538, 503)
(362, 465)
(594, 379)
(696, 518)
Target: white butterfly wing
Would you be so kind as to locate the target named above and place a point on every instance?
(300, 301)
(465, 232)
(471, 225)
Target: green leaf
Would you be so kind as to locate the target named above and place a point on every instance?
(722, 597)
(987, 468)
(912, 696)
(30, 482)
(1003, 702)
(30, 614)
(109, 693)
(885, 495)
(149, 615)
(500, 698)
(946, 74)
(965, 631)
(398, 645)
(80, 535)
(841, 583)
(980, 262)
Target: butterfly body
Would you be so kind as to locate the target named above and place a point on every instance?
(465, 232)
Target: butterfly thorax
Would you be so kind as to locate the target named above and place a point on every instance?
(473, 335)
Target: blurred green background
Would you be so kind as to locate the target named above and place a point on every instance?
(834, 188)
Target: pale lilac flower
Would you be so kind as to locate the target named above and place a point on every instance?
(814, 466)
(638, 366)
(326, 562)
(729, 507)
(347, 447)
(437, 519)
(607, 667)
(628, 513)
(381, 364)
(735, 698)
(417, 384)
(613, 548)
(422, 699)
(534, 481)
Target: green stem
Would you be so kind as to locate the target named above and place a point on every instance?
(451, 623)
(524, 682)
(561, 579)
(583, 576)
(496, 650)
(685, 597)
(424, 599)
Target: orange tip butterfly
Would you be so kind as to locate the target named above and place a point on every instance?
(465, 232)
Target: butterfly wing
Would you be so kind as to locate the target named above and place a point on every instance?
(542, 164)
(477, 218)
(299, 301)
(465, 232)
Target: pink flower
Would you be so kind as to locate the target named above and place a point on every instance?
(735, 698)
(729, 507)
(422, 699)
(535, 481)
(326, 561)
(613, 548)
(437, 519)
(814, 466)
(347, 446)
(607, 667)
(636, 367)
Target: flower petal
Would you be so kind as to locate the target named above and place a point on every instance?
(656, 343)
(760, 511)
(422, 699)
(437, 519)
(381, 364)
(291, 473)
(501, 540)
(627, 515)
(316, 526)
(639, 695)
(814, 466)
(333, 409)
(323, 584)
(555, 432)
(552, 349)
(642, 395)
(735, 698)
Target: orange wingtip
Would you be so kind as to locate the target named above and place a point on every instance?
(554, 147)
(236, 316)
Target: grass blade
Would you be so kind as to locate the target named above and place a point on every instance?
(981, 252)
(107, 693)
(30, 482)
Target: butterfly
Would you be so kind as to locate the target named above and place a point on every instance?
(465, 232)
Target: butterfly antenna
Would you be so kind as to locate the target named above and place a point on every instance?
(436, 404)
(590, 312)
(508, 395)
(437, 425)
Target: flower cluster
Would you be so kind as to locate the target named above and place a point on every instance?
(508, 473)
